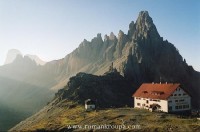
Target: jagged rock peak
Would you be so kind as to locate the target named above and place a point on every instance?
(144, 26)
(131, 29)
(84, 41)
(99, 35)
(144, 13)
(144, 19)
(98, 38)
(131, 25)
(121, 33)
(112, 36)
(106, 37)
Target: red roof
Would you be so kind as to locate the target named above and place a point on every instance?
(156, 91)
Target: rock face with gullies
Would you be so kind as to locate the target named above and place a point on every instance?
(141, 55)
(122, 39)
(145, 27)
(109, 90)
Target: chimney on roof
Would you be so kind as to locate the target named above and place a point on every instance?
(160, 83)
(160, 80)
(166, 82)
(152, 82)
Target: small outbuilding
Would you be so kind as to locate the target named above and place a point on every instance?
(90, 105)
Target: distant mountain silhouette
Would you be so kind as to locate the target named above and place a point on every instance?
(11, 55)
(36, 59)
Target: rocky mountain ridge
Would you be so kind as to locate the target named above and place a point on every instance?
(140, 56)
(108, 90)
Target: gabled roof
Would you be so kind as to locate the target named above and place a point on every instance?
(156, 91)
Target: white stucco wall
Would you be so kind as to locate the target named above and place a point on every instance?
(181, 99)
(143, 101)
(89, 107)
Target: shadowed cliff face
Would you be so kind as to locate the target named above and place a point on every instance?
(109, 90)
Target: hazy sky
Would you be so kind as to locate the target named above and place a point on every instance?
(53, 28)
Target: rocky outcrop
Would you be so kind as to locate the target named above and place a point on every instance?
(109, 90)
(122, 40)
(145, 27)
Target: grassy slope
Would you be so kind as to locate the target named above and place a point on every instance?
(61, 115)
